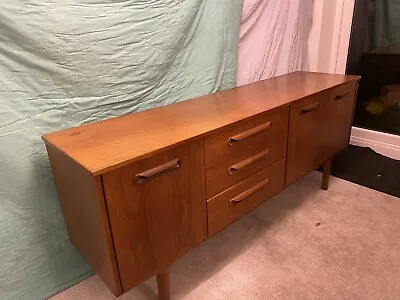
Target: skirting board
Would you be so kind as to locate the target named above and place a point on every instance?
(383, 143)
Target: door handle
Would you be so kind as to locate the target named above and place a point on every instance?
(249, 192)
(248, 133)
(159, 170)
(338, 97)
(309, 108)
(244, 163)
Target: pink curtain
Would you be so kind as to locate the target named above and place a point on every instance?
(273, 38)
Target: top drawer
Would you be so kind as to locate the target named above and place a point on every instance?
(252, 144)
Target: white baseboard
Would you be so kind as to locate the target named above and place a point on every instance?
(383, 143)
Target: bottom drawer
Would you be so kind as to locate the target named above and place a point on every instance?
(238, 200)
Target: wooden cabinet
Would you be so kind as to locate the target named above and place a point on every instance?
(139, 191)
(319, 127)
(157, 210)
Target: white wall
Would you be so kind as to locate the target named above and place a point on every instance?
(329, 38)
(314, 39)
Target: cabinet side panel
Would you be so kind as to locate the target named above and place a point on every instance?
(85, 214)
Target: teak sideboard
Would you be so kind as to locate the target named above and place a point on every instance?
(140, 190)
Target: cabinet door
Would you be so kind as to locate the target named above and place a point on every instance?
(157, 210)
(319, 127)
(306, 136)
(340, 116)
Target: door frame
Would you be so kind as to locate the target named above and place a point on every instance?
(330, 35)
(383, 143)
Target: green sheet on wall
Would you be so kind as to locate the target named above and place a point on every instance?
(65, 63)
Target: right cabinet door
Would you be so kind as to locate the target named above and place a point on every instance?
(319, 127)
(339, 117)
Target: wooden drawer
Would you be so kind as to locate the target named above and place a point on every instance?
(157, 210)
(238, 200)
(239, 150)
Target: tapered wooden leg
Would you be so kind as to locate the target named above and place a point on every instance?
(163, 285)
(326, 171)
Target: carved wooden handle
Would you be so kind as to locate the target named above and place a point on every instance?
(159, 170)
(249, 192)
(248, 133)
(309, 108)
(244, 163)
(338, 97)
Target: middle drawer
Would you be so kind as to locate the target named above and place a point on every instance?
(239, 150)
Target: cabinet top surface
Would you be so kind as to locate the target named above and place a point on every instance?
(105, 145)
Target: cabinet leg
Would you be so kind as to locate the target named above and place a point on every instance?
(326, 171)
(163, 285)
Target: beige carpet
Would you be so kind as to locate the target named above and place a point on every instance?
(278, 252)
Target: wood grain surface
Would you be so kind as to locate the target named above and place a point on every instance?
(220, 155)
(85, 213)
(340, 115)
(107, 145)
(155, 221)
(238, 200)
(319, 128)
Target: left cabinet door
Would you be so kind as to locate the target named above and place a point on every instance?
(157, 210)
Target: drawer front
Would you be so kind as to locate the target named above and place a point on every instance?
(238, 151)
(238, 200)
(157, 210)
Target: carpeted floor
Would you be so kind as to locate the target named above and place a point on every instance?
(278, 252)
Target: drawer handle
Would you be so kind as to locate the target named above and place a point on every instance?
(248, 133)
(246, 162)
(249, 192)
(338, 97)
(309, 108)
(159, 170)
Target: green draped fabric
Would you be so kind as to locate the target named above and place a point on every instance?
(68, 62)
